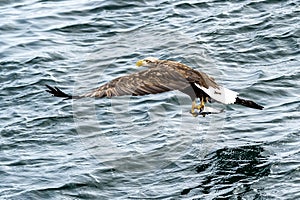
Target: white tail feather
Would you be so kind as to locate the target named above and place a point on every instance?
(221, 94)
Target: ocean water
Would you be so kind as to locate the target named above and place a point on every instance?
(148, 147)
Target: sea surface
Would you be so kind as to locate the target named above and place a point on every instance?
(148, 147)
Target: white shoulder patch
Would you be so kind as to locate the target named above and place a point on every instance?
(221, 94)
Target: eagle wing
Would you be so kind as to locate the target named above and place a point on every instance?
(150, 81)
(166, 77)
(190, 75)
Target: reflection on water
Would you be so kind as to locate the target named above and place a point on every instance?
(231, 171)
(145, 147)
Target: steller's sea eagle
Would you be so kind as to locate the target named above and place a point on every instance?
(162, 76)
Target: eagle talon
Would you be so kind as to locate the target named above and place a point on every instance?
(203, 114)
(199, 108)
(194, 113)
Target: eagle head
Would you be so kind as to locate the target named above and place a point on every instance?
(147, 62)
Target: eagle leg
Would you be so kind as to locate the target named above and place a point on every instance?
(199, 107)
(194, 106)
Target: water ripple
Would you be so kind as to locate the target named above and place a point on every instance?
(148, 147)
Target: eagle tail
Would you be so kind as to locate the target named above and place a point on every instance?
(248, 103)
(58, 93)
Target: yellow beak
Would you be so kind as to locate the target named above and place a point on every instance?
(139, 63)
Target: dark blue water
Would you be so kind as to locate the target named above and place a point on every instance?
(150, 146)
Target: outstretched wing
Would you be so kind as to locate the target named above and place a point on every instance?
(168, 76)
(193, 76)
(150, 81)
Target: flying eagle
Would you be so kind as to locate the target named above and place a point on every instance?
(162, 76)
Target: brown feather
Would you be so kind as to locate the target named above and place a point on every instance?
(166, 76)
